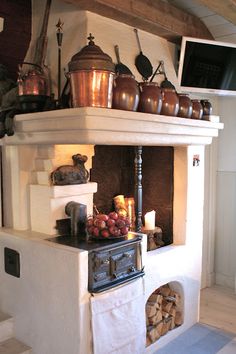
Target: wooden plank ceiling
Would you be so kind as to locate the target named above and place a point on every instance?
(224, 8)
(154, 16)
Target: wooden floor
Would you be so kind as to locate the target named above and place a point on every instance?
(218, 308)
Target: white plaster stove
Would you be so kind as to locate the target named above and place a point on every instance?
(62, 312)
(50, 301)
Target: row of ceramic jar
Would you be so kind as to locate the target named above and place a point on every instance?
(148, 97)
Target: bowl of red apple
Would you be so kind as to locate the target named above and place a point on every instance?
(108, 226)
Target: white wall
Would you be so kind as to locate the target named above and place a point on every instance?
(225, 260)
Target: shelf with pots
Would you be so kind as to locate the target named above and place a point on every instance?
(91, 125)
(135, 119)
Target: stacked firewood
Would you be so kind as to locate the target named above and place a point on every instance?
(163, 313)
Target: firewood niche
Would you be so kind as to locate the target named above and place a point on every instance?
(113, 170)
(163, 312)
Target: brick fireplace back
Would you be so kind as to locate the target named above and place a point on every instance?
(113, 170)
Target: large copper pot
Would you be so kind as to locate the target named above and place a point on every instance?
(91, 74)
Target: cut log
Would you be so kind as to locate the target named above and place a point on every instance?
(165, 314)
(150, 309)
(165, 290)
(148, 341)
(178, 318)
(156, 318)
(153, 334)
(177, 299)
(172, 323)
(166, 306)
(165, 327)
(159, 327)
(155, 298)
(172, 311)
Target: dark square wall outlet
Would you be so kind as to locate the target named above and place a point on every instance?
(12, 262)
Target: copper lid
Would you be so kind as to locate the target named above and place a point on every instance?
(91, 57)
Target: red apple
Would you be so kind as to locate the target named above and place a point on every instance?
(124, 230)
(117, 232)
(113, 230)
(90, 222)
(113, 215)
(105, 233)
(95, 232)
(90, 230)
(120, 223)
(103, 217)
(100, 224)
(111, 222)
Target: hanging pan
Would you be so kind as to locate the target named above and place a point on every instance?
(120, 68)
(142, 63)
(165, 83)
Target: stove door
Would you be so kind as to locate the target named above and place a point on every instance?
(123, 262)
(114, 266)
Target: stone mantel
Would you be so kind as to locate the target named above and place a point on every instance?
(91, 125)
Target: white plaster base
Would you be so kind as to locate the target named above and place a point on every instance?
(47, 204)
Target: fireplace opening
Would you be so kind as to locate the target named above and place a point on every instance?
(113, 170)
(164, 311)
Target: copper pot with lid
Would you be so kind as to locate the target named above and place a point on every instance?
(91, 75)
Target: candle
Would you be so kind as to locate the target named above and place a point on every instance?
(129, 202)
(149, 219)
(130, 211)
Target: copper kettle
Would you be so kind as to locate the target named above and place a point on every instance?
(33, 82)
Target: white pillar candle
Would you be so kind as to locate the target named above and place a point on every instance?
(149, 219)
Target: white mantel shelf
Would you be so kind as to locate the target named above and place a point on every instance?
(104, 126)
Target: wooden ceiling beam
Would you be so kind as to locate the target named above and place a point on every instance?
(154, 16)
(224, 8)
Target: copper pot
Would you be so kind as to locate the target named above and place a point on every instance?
(125, 93)
(150, 98)
(170, 102)
(91, 88)
(91, 75)
(197, 109)
(185, 106)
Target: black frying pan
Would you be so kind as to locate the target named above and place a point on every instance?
(142, 63)
(120, 68)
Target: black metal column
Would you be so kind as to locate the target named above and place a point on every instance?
(138, 188)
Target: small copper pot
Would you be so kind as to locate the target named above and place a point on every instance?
(150, 98)
(170, 102)
(197, 109)
(185, 106)
(125, 93)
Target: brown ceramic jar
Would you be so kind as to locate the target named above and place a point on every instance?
(170, 102)
(185, 106)
(197, 110)
(207, 107)
(150, 98)
(125, 93)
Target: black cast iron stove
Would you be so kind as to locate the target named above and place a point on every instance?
(110, 262)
